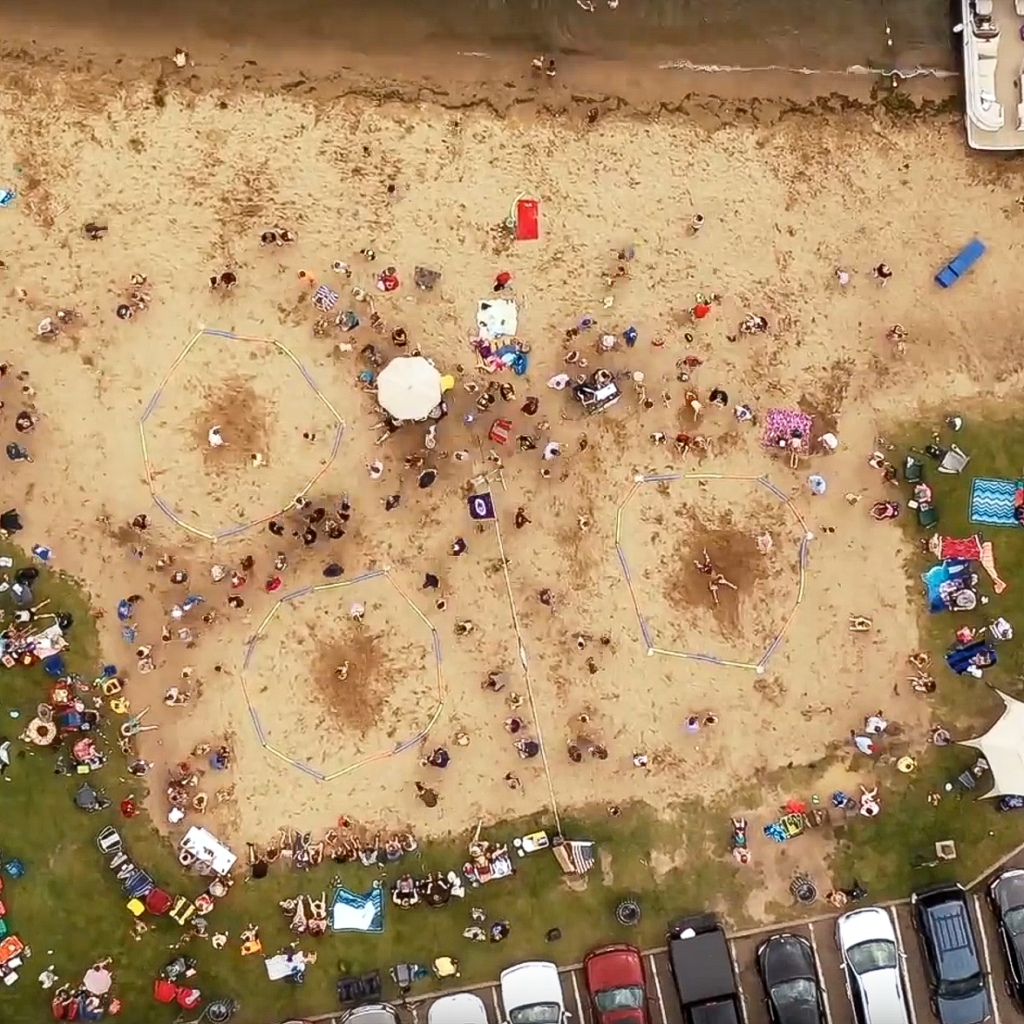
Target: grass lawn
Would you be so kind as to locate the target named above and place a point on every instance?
(70, 903)
(883, 852)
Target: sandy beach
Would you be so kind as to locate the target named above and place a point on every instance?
(186, 168)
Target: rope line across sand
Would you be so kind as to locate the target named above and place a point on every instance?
(525, 662)
(237, 528)
(652, 648)
(381, 755)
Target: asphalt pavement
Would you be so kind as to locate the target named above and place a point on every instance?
(664, 1006)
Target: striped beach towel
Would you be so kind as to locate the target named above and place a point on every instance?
(992, 501)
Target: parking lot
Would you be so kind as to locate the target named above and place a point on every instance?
(664, 1006)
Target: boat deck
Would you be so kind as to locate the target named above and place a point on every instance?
(1007, 79)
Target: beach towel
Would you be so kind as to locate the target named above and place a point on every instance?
(966, 548)
(497, 318)
(358, 912)
(325, 298)
(783, 424)
(992, 501)
(988, 563)
(970, 549)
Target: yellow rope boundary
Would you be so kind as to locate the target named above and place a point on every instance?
(303, 592)
(233, 531)
(652, 648)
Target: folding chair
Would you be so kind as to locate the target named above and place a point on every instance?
(109, 841)
(182, 910)
(140, 886)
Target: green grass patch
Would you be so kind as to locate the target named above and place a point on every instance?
(885, 853)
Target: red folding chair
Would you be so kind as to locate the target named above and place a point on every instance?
(158, 902)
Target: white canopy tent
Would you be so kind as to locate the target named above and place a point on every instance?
(409, 388)
(208, 850)
(1003, 748)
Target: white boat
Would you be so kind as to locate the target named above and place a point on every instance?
(992, 42)
(981, 39)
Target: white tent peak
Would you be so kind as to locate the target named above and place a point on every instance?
(1003, 748)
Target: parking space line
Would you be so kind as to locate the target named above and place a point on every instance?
(821, 977)
(739, 983)
(903, 965)
(980, 924)
(579, 1002)
(657, 987)
(497, 1007)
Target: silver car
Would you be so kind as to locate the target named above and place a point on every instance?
(872, 962)
(371, 1013)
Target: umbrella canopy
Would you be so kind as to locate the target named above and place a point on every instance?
(97, 980)
(409, 387)
(1003, 747)
(86, 796)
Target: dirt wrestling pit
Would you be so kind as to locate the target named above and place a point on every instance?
(715, 565)
(358, 665)
(276, 434)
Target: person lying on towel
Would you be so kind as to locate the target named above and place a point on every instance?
(1018, 504)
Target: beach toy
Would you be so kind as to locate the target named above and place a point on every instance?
(960, 263)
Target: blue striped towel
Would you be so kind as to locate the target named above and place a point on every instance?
(992, 501)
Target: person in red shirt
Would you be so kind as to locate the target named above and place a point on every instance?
(501, 282)
(700, 311)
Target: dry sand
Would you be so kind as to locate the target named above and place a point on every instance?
(187, 185)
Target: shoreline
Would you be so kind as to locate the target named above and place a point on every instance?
(503, 83)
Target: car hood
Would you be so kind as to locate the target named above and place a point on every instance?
(786, 957)
(533, 982)
(1009, 890)
(969, 1010)
(614, 968)
(804, 1013)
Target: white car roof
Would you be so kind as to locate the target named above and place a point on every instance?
(882, 990)
(460, 1008)
(529, 983)
(863, 926)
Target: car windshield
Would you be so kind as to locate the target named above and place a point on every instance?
(1014, 920)
(630, 998)
(536, 1013)
(961, 988)
(796, 992)
(872, 955)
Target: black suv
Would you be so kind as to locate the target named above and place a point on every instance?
(942, 918)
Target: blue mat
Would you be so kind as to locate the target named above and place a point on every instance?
(357, 912)
(992, 501)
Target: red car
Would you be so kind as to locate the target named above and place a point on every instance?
(617, 985)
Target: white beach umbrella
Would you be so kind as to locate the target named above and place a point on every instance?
(97, 980)
(409, 387)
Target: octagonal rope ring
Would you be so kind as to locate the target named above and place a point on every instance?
(645, 629)
(238, 528)
(398, 748)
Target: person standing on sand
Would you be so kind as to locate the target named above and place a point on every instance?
(426, 794)
(439, 758)
(527, 748)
